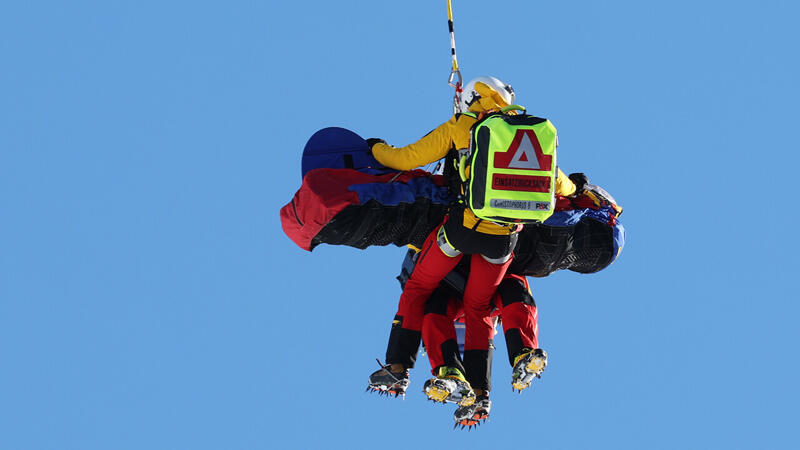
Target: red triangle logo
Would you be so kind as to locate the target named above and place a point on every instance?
(525, 152)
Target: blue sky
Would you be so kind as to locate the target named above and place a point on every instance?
(149, 299)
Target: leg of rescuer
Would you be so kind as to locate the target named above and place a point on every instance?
(519, 314)
(484, 278)
(527, 360)
(438, 331)
(432, 266)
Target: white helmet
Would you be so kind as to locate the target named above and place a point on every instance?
(499, 94)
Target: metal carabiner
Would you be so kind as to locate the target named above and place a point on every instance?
(458, 85)
(455, 73)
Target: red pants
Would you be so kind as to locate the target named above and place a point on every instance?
(432, 266)
(512, 302)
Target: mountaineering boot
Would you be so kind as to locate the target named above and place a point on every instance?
(529, 364)
(472, 415)
(449, 386)
(386, 382)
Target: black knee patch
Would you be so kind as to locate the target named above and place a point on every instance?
(512, 290)
(437, 302)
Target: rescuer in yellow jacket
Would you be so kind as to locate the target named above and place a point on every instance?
(447, 137)
(490, 245)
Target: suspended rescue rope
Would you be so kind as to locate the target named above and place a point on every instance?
(455, 74)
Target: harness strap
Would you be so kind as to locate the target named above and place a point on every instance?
(444, 245)
(501, 260)
(477, 222)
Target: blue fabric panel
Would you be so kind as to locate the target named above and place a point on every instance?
(336, 148)
(619, 239)
(565, 218)
(391, 194)
(572, 217)
(603, 214)
(377, 172)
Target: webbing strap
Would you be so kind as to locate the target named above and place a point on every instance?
(452, 35)
(455, 79)
(500, 260)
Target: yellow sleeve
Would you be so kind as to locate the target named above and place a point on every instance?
(432, 147)
(564, 186)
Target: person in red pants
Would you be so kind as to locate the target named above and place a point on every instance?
(489, 246)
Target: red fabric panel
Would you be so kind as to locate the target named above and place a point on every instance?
(431, 268)
(563, 204)
(324, 194)
(484, 277)
(519, 315)
(437, 329)
(522, 316)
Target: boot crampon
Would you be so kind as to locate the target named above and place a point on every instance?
(449, 386)
(474, 414)
(386, 382)
(527, 365)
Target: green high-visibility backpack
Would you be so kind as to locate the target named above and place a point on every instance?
(512, 168)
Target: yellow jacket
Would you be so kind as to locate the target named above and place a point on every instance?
(432, 147)
(453, 134)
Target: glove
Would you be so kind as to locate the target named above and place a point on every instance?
(372, 141)
(580, 179)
